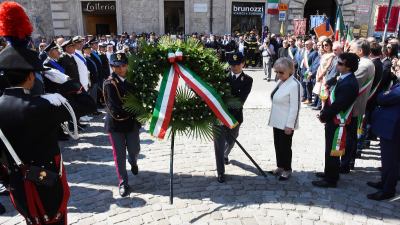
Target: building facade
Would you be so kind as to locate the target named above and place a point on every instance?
(71, 17)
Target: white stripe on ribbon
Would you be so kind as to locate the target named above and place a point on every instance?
(208, 94)
(164, 104)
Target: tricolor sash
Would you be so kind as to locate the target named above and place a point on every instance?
(342, 119)
(166, 98)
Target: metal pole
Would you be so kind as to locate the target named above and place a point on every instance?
(211, 16)
(248, 156)
(171, 170)
(387, 20)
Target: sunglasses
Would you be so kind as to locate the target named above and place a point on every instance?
(325, 45)
(279, 72)
(340, 63)
(389, 47)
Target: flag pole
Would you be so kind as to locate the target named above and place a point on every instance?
(387, 20)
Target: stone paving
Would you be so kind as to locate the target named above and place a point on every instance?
(246, 198)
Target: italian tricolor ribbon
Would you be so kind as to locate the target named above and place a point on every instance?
(166, 98)
(342, 119)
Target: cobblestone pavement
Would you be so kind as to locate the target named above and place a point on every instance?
(246, 198)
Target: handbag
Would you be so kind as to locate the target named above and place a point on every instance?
(39, 176)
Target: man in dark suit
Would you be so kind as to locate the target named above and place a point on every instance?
(342, 98)
(386, 125)
(313, 69)
(104, 61)
(305, 71)
(102, 74)
(121, 125)
(67, 60)
(387, 76)
(284, 50)
(224, 141)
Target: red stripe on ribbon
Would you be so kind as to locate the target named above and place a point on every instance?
(203, 96)
(170, 105)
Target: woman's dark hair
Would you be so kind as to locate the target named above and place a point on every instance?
(394, 50)
(16, 77)
(328, 41)
(350, 60)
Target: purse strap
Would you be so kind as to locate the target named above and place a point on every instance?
(15, 156)
(11, 149)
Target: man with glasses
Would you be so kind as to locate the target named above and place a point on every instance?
(332, 71)
(308, 58)
(314, 69)
(343, 95)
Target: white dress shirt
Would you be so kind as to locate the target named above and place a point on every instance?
(83, 70)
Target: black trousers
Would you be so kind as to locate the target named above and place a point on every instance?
(223, 144)
(283, 149)
(390, 156)
(332, 163)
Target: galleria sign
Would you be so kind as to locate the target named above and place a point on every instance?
(240, 9)
(98, 7)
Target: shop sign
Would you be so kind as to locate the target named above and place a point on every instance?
(282, 15)
(200, 7)
(103, 7)
(283, 7)
(247, 9)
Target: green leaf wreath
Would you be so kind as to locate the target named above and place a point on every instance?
(191, 116)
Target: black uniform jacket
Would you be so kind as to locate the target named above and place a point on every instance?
(346, 93)
(105, 65)
(240, 88)
(117, 119)
(69, 64)
(30, 124)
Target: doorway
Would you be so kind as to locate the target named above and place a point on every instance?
(99, 17)
(174, 17)
(318, 7)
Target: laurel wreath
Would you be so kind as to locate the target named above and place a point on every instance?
(191, 115)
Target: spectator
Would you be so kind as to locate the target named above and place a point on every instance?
(284, 115)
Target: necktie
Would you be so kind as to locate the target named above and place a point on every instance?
(233, 77)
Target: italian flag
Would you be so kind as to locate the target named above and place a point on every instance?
(349, 39)
(339, 28)
(273, 7)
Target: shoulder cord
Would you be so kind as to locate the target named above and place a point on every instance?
(107, 105)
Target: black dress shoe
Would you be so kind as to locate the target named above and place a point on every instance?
(135, 169)
(320, 174)
(221, 178)
(379, 196)
(323, 184)
(123, 190)
(316, 108)
(2, 209)
(377, 185)
(226, 161)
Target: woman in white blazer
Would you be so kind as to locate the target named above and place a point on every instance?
(284, 115)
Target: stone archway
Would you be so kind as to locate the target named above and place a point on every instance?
(297, 11)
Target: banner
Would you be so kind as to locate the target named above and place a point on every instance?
(300, 26)
(273, 7)
(393, 19)
(321, 30)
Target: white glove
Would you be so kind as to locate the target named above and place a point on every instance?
(56, 76)
(54, 99)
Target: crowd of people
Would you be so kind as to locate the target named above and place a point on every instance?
(354, 86)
